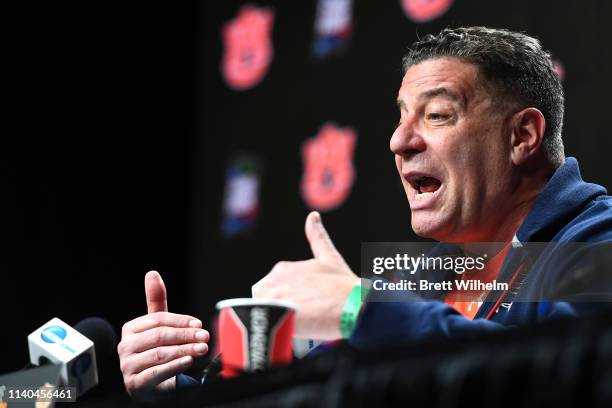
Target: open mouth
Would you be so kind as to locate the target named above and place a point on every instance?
(424, 186)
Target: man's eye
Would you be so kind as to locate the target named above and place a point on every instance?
(436, 117)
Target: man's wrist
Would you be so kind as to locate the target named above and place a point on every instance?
(352, 309)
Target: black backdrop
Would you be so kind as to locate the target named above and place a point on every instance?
(118, 128)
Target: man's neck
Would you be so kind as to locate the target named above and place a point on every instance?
(526, 191)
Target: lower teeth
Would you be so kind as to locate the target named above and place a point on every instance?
(420, 196)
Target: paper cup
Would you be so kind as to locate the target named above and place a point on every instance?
(254, 334)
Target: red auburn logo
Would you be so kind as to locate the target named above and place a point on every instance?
(328, 167)
(559, 69)
(421, 11)
(248, 47)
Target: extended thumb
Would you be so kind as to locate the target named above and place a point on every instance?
(321, 244)
(155, 291)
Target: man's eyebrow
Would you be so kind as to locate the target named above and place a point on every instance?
(444, 92)
(432, 93)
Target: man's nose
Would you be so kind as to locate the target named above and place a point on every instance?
(407, 139)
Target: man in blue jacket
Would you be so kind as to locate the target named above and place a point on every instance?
(479, 152)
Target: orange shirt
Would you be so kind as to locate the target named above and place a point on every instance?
(486, 275)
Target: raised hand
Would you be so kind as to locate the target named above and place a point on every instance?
(154, 348)
(320, 286)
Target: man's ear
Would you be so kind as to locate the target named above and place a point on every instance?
(527, 133)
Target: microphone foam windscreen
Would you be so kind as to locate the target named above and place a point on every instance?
(101, 333)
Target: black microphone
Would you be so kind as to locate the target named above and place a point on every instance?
(75, 350)
(101, 333)
(61, 355)
(96, 329)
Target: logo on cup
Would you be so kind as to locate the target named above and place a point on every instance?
(254, 334)
(258, 341)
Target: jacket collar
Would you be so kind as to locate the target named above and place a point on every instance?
(563, 197)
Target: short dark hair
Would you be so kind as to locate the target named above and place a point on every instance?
(514, 63)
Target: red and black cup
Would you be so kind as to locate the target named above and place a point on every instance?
(254, 334)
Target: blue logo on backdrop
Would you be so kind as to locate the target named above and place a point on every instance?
(53, 334)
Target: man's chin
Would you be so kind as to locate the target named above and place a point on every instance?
(424, 231)
(430, 229)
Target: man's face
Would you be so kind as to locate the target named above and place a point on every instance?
(452, 151)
